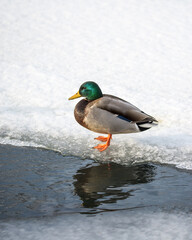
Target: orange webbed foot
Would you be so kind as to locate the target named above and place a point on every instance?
(101, 138)
(102, 147)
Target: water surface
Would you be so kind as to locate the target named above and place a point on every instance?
(37, 183)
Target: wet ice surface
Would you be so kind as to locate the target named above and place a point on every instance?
(46, 194)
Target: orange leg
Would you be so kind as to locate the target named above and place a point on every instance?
(102, 147)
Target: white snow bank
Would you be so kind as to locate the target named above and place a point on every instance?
(139, 51)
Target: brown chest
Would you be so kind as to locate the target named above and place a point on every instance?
(79, 111)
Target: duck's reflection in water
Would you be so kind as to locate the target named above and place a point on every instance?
(107, 183)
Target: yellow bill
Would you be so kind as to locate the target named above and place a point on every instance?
(76, 95)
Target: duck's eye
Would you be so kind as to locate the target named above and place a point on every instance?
(82, 88)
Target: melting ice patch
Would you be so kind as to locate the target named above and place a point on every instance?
(139, 52)
(109, 226)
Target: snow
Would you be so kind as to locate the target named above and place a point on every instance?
(140, 51)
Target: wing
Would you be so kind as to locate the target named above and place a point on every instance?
(123, 109)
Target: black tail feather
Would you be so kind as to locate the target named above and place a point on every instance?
(146, 124)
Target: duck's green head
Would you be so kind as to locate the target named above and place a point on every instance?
(90, 90)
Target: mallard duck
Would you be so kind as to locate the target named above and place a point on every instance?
(107, 114)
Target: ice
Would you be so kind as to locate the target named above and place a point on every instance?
(123, 225)
(139, 51)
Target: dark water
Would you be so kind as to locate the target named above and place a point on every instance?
(37, 183)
